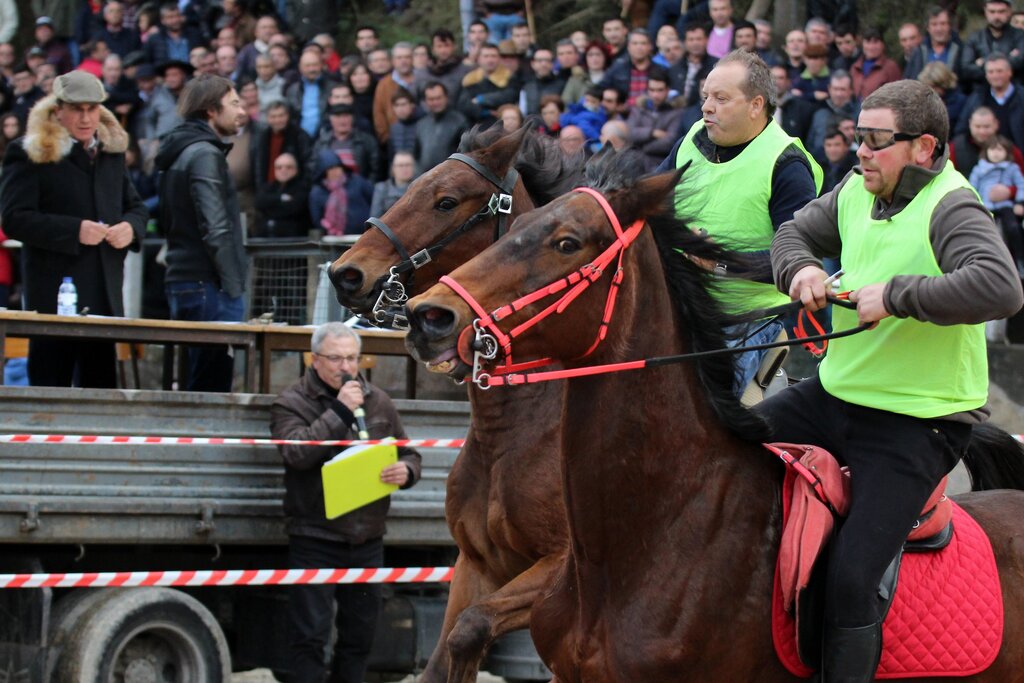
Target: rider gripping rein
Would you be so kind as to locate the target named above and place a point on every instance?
(488, 338)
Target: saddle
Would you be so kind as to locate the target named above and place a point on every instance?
(953, 590)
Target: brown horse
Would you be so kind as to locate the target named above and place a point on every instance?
(504, 503)
(674, 509)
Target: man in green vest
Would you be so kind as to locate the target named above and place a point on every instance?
(746, 178)
(926, 264)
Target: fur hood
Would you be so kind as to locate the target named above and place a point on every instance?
(47, 142)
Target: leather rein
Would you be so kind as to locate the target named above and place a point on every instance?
(389, 309)
(488, 339)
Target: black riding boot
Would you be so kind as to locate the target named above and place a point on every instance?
(851, 655)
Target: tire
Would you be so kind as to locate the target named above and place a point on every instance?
(157, 635)
(64, 618)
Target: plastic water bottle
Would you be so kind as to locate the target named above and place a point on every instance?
(67, 298)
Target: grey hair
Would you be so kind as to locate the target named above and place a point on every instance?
(816, 21)
(402, 45)
(759, 78)
(838, 75)
(333, 329)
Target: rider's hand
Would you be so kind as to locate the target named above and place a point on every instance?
(808, 286)
(870, 302)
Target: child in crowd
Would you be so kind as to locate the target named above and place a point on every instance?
(996, 167)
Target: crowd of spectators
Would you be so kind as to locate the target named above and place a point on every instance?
(334, 135)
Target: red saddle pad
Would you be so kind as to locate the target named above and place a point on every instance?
(946, 618)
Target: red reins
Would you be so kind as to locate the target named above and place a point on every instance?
(489, 337)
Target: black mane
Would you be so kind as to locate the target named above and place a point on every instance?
(691, 288)
(547, 172)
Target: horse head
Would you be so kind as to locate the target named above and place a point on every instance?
(454, 194)
(569, 241)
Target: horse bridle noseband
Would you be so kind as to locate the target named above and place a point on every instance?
(389, 309)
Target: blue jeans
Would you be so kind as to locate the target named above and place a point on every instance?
(500, 25)
(210, 368)
(747, 363)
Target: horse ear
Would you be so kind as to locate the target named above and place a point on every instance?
(502, 153)
(651, 192)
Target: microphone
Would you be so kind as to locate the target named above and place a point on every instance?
(359, 413)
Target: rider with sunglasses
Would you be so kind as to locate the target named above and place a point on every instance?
(896, 404)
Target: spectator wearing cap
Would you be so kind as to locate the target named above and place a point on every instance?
(401, 77)
(344, 137)
(812, 85)
(26, 92)
(158, 113)
(119, 39)
(487, 87)
(73, 146)
(174, 40)
(57, 52)
(873, 68)
(175, 74)
(339, 202)
(308, 95)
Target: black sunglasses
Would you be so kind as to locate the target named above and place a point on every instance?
(877, 139)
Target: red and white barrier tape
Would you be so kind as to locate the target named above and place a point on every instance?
(230, 577)
(217, 441)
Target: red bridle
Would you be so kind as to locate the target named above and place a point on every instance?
(489, 337)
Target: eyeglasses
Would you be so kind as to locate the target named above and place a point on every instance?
(877, 139)
(339, 358)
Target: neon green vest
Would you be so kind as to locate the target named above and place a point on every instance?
(730, 201)
(903, 365)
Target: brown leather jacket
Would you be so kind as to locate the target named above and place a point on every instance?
(309, 409)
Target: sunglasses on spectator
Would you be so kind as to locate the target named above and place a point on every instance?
(877, 139)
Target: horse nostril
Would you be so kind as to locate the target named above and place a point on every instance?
(348, 279)
(435, 321)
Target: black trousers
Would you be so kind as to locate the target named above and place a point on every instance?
(310, 609)
(61, 362)
(895, 461)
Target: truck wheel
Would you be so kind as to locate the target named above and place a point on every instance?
(146, 635)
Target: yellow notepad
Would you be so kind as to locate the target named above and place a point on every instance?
(352, 478)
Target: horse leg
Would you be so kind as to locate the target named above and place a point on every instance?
(466, 587)
(505, 610)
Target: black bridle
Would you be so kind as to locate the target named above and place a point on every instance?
(389, 309)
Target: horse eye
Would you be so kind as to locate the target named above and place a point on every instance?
(567, 245)
(446, 204)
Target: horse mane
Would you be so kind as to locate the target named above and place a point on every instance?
(547, 172)
(691, 288)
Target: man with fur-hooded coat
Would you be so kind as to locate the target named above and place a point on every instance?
(66, 194)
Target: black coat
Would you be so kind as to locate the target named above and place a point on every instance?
(796, 117)
(48, 188)
(296, 142)
(199, 210)
(283, 209)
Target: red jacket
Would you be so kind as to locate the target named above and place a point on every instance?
(884, 71)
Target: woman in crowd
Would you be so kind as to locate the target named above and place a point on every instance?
(596, 60)
(363, 87)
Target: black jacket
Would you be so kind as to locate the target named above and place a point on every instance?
(48, 187)
(536, 88)
(296, 142)
(199, 209)
(309, 409)
(283, 209)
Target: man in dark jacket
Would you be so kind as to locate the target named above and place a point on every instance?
(281, 135)
(487, 87)
(283, 204)
(630, 75)
(174, 40)
(320, 406)
(997, 36)
(654, 120)
(438, 133)
(343, 135)
(69, 229)
(308, 95)
(543, 82)
(206, 260)
(1000, 95)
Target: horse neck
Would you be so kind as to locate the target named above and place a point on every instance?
(643, 448)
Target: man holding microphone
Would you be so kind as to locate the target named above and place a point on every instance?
(333, 402)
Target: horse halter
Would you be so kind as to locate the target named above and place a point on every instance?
(488, 337)
(388, 311)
